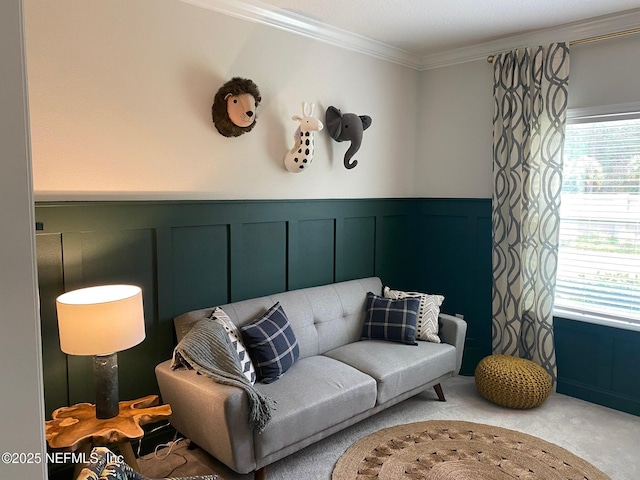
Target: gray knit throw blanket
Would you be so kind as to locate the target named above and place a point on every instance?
(207, 349)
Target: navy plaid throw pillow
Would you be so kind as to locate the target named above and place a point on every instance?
(388, 319)
(271, 343)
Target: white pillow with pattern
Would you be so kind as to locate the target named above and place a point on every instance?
(218, 315)
(427, 322)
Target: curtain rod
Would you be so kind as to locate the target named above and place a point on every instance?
(591, 39)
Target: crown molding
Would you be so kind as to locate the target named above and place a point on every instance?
(259, 12)
(564, 33)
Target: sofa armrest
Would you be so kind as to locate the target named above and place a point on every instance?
(453, 331)
(212, 415)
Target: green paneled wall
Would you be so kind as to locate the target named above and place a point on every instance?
(200, 266)
(454, 241)
(598, 363)
(355, 256)
(187, 255)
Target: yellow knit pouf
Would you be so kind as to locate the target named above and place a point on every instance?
(512, 382)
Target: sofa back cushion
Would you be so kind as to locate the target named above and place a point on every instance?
(322, 318)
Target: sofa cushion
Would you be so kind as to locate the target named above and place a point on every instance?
(246, 365)
(397, 368)
(322, 318)
(271, 343)
(428, 312)
(315, 394)
(389, 319)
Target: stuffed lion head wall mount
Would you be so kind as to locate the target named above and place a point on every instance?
(234, 107)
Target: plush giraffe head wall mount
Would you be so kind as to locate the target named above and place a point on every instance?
(299, 158)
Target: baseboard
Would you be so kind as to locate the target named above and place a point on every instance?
(601, 397)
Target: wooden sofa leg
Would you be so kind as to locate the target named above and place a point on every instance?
(439, 392)
(192, 446)
(260, 474)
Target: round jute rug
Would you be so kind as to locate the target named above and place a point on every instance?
(455, 450)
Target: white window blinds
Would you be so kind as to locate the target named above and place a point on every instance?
(599, 255)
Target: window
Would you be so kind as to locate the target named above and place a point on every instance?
(599, 256)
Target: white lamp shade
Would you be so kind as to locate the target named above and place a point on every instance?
(100, 320)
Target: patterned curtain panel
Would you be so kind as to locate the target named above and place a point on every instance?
(530, 95)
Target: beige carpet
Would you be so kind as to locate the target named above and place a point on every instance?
(457, 450)
(606, 438)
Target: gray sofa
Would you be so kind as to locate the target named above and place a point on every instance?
(337, 381)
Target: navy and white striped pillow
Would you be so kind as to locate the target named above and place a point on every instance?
(388, 319)
(219, 316)
(271, 343)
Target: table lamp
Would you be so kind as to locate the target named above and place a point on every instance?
(101, 321)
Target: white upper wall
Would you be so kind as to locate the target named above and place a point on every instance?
(605, 73)
(455, 144)
(121, 95)
(454, 154)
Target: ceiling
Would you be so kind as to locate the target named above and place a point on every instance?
(415, 32)
(424, 27)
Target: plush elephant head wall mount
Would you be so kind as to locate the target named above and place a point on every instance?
(347, 127)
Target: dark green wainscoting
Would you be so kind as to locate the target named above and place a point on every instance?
(599, 364)
(194, 254)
